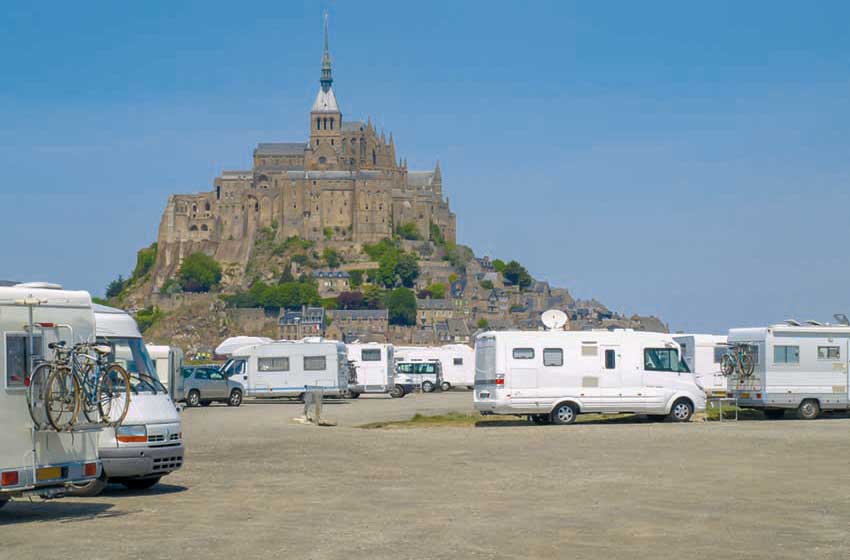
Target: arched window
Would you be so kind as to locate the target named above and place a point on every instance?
(207, 206)
(332, 123)
(318, 123)
(374, 158)
(193, 228)
(325, 123)
(256, 206)
(323, 159)
(218, 192)
(204, 227)
(194, 208)
(362, 148)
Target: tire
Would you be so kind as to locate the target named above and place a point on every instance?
(774, 413)
(427, 387)
(62, 399)
(113, 395)
(727, 365)
(35, 395)
(235, 398)
(354, 395)
(193, 399)
(397, 392)
(540, 419)
(3, 502)
(681, 411)
(564, 413)
(809, 409)
(141, 484)
(747, 365)
(445, 386)
(90, 489)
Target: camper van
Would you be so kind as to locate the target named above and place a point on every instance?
(149, 443)
(168, 363)
(552, 376)
(374, 365)
(289, 369)
(702, 354)
(33, 461)
(457, 362)
(800, 367)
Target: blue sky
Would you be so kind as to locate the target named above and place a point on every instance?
(688, 160)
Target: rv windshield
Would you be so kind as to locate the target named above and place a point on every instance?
(131, 354)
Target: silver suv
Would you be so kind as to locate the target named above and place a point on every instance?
(207, 384)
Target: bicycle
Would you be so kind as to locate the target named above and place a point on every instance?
(82, 378)
(740, 359)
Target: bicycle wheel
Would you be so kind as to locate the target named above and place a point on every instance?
(727, 365)
(747, 364)
(113, 394)
(62, 398)
(35, 395)
(89, 404)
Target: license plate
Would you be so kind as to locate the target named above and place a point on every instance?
(48, 473)
(745, 395)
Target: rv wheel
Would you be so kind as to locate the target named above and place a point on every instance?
(235, 398)
(89, 489)
(193, 398)
(397, 392)
(564, 413)
(445, 386)
(809, 410)
(427, 387)
(681, 411)
(353, 395)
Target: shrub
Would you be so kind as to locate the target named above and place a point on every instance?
(408, 231)
(350, 300)
(483, 323)
(146, 318)
(331, 257)
(401, 307)
(516, 274)
(145, 260)
(355, 278)
(199, 273)
(115, 287)
(487, 284)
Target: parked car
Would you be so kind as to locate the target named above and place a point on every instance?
(204, 385)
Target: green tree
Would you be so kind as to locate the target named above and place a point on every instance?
(401, 307)
(437, 290)
(516, 274)
(329, 232)
(385, 275)
(145, 318)
(145, 260)
(409, 231)
(286, 275)
(483, 323)
(355, 278)
(373, 297)
(487, 284)
(407, 269)
(115, 287)
(436, 234)
(199, 273)
(331, 257)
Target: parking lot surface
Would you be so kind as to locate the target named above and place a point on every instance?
(257, 485)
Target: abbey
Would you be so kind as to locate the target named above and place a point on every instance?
(344, 184)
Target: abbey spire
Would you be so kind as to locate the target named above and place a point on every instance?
(327, 78)
(325, 99)
(325, 116)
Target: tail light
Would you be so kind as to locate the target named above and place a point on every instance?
(758, 395)
(500, 379)
(9, 478)
(90, 469)
(46, 325)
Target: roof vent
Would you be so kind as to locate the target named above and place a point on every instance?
(842, 319)
(793, 322)
(814, 323)
(41, 285)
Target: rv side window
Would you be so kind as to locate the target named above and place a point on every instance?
(273, 364)
(553, 357)
(425, 368)
(588, 349)
(370, 355)
(829, 353)
(523, 353)
(315, 363)
(719, 352)
(17, 357)
(610, 359)
(786, 354)
(405, 368)
(660, 359)
(457, 361)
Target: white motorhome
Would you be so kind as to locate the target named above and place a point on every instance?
(35, 462)
(457, 362)
(802, 367)
(289, 369)
(168, 362)
(552, 376)
(374, 365)
(149, 443)
(702, 354)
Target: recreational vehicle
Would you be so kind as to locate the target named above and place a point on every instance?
(33, 461)
(702, 353)
(374, 365)
(801, 367)
(457, 362)
(552, 376)
(168, 363)
(149, 443)
(422, 373)
(289, 369)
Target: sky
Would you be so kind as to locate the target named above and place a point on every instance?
(681, 159)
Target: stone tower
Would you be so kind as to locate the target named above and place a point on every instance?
(325, 117)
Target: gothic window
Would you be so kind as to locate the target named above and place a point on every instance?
(318, 123)
(325, 123)
(256, 206)
(374, 158)
(362, 148)
(332, 123)
(332, 141)
(194, 208)
(218, 192)
(323, 159)
(207, 206)
(204, 227)
(317, 141)
(193, 228)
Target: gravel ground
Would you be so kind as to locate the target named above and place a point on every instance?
(256, 485)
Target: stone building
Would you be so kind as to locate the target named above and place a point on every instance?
(344, 183)
(365, 325)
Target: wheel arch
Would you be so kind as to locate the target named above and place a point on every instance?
(575, 402)
(677, 397)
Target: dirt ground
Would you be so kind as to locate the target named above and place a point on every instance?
(256, 485)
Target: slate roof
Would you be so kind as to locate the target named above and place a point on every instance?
(310, 316)
(420, 178)
(359, 314)
(441, 304)
(353, 126)
(330, 274)
(280, 148)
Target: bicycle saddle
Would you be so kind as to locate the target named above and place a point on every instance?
(53, 345)
(102, 349)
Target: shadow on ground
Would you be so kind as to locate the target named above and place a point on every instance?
(119, 491)
(23, 511)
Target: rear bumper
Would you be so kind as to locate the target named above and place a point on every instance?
(29, 486)
(369, 388)
(141, 462)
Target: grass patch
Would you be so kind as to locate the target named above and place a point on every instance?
(474, 419)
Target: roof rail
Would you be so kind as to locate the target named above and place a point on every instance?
(43, 285)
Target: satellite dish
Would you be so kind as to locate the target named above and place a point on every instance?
(554, 319)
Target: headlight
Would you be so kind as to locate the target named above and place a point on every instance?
(132, 434)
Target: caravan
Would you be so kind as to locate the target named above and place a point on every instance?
(168, 363)
(289, 369)
(36, 462)
(702, 353)
(457, 362)
(149, 443)
(552, 376)
(374, 365)
(801, 367)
